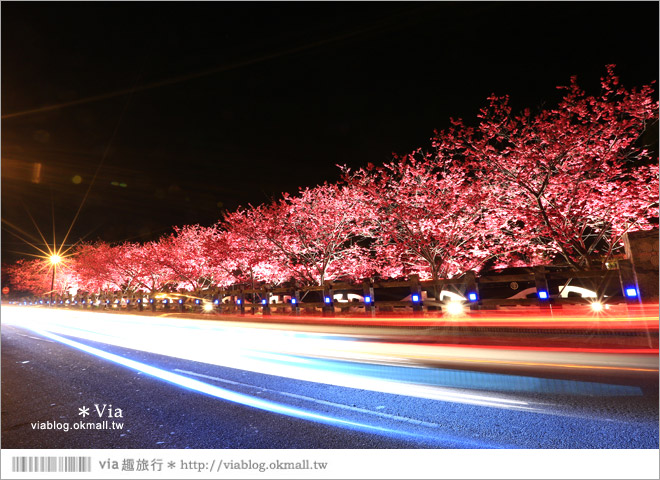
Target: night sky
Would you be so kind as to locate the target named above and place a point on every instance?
(185, 109)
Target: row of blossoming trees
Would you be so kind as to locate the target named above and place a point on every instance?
(562, 185)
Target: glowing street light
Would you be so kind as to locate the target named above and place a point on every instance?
(454, 308)
(54, 261)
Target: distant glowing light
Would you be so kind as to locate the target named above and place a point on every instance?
(631, 292)
(180, 300)
(367, 299)
(294, 301)
(597, 306)
(238, 301)
(216, 301)
(472, 297)
(76, 179)
(263, 301)
(543, 295)
(208, 307)
(455, 308)
(415, 298)
(55, 259)
(328, 299)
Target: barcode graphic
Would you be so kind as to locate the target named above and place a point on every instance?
(51, 464)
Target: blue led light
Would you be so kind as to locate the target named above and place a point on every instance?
(415, 298)
(127, 302)
(216, 301)
(197, 302)
(631, 292)
(238, 302)
(263, 301)
(543, 295)
(294, 301)
(180, 300)
(165, 301)
(367, 299)
(151, 300)
(472, 296)
(139, 300)
(327, 300)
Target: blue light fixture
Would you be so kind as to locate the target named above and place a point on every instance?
(294, 301)
(139, 300)
(367, 299)
(181, 300)
(543, 295)
(631, 292)
(165, 301)
(216, 301)
(197, 302)
(238, 301)
(415, 298)
(328, 299)
(472, 296)
(263, 301)
(151, 300)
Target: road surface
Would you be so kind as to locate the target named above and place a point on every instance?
(175, 383)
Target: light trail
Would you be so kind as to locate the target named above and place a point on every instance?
(224, 394)
(303, 354)
(261, 351)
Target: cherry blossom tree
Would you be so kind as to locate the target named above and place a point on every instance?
(184, 255)
(314, 236)
(35, 276)
(573, 177)
(146, 264)
(94, 264)
(425, 220)
(245, 251)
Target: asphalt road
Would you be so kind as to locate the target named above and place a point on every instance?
(46, 383)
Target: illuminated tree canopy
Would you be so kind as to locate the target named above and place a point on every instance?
(561, 185)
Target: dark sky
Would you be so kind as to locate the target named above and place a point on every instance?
(188, 108)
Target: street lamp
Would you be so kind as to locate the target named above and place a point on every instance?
(54, 260)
